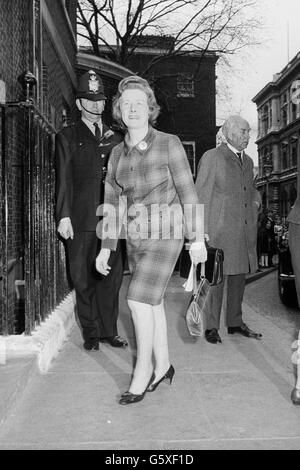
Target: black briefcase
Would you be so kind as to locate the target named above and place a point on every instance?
(213, 265)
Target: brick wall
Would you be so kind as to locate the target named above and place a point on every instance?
(13, 61)
(57, 11)
(60, 88)
(16, 56)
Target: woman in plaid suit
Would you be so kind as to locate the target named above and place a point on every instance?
(149, 176)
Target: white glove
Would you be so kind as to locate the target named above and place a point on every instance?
(102, 260)
(65, 228)
(198, 252)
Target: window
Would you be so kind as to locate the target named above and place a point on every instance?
(284, 155)
(260, 163)
(294, 145)
(294, 111)
(283, 199)
(185, 86)
(284, 110)
(189, 148)
(265, 120)
(259, 123)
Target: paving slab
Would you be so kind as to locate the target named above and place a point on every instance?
(235, 395)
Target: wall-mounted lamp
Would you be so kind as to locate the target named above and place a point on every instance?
(28, 81)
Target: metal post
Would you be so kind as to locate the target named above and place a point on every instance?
(28, 255)
(4, 231)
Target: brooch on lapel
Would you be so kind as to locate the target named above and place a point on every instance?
(142, 145)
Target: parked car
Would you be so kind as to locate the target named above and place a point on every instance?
(286, 277)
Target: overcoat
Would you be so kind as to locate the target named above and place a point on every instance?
(294, 215)
(81, 163)
(226, 188)
(294, 231)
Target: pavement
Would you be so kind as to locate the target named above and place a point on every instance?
(234, 395)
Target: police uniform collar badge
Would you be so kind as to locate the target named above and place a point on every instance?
(108, 134)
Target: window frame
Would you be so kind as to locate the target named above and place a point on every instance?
(191, 143)
(185, 91)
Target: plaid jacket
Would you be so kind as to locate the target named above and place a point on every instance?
(156, 174)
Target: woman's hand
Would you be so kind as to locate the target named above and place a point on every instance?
(198, 253)
(102, 260)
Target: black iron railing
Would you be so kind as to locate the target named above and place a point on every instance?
(37, 282)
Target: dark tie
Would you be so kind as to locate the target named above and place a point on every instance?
(239, 154)
(97, 132)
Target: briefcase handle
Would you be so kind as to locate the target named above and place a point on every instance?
(202, 276)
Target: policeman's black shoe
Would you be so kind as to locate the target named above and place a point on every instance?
(91, 345)
(212, 336)
(244, 330)
(295, 396)
(115, 341)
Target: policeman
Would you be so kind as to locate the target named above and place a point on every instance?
(82, 151)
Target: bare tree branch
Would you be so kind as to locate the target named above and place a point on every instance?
(221, 26)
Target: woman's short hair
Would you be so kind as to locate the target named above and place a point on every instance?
(132, 83)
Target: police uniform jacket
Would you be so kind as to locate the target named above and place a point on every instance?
(80, 171)
(226, 188)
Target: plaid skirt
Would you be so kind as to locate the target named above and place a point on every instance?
(151, 264)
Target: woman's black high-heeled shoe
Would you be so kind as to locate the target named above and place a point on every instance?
(168, 375)
(127, 397)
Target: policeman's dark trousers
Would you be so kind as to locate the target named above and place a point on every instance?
(97, 297)
(235, 293)
(294, 245)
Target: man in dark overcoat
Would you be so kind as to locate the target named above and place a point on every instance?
(82, 151)
(225, 185)
(294, 244)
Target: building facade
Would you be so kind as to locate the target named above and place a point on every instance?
(278, 108)
(39, 67)
(37, 83)
(185, 88)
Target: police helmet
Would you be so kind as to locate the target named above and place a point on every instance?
(90, 87)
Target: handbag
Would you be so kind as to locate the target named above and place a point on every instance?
(198, 307)
(213, 265)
